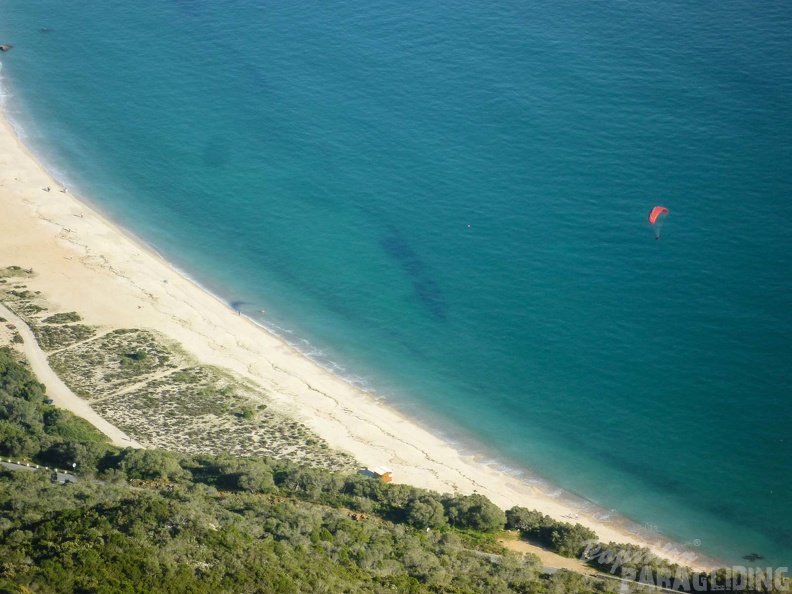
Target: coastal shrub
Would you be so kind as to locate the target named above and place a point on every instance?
(69, 427)
(621, 556)
(527, 520)
(311, 483)
(86, 536)
(255, 479)
(86, 456)
(238, 474)
(275, 526)
(16, 442)
(152, 465)
(58, 337)
(20, 294)
(183, 376)
(569, 540)
(420, 507)
(187, 410)
(569, 581)
(16, 381)
(562, 537)
(425, 512)
(34, 430)
(27, 309)
(63, 318)
(474, 511)
(636, 562)
(134, 360)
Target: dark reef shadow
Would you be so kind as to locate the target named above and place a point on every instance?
(424, 286)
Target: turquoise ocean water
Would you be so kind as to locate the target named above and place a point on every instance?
(446, 204)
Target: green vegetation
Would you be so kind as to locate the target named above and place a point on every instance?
(31, 429)
(203, 409)
(52, 338)
(151, 389)
(216, 523)
(17, 296)
(91, 538)
(243, 500)
(562, 537)
(159, 521)
(147, 388)
(112, 361)
(63, 318)
(57, 331)
(11, 271)
(23, 304)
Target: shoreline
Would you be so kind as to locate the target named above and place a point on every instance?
(80, 256)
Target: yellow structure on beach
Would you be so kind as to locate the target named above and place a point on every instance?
(384, 473)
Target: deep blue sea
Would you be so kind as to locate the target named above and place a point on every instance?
(446, 203)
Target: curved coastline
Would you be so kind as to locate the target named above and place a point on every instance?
(96, 255)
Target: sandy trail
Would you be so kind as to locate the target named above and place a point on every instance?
(60, 393)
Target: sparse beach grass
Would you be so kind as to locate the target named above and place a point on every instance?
(8, 334)
(112, 362)
(202, 409)
(63, 318)
(21, 300)
(53, 332)
(52, 338)
(151, 389)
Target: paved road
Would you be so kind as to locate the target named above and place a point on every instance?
(62, 477)
(60, 393)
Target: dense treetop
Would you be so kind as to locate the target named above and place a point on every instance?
(156, 521)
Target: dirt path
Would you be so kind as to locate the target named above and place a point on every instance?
(548, 558)
(60, 393)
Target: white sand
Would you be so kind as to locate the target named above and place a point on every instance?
(84, 263)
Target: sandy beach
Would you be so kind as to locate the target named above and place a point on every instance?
(84, 263)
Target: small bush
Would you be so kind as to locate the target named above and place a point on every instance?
(63, 318)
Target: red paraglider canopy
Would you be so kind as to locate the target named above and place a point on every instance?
(656, 212)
